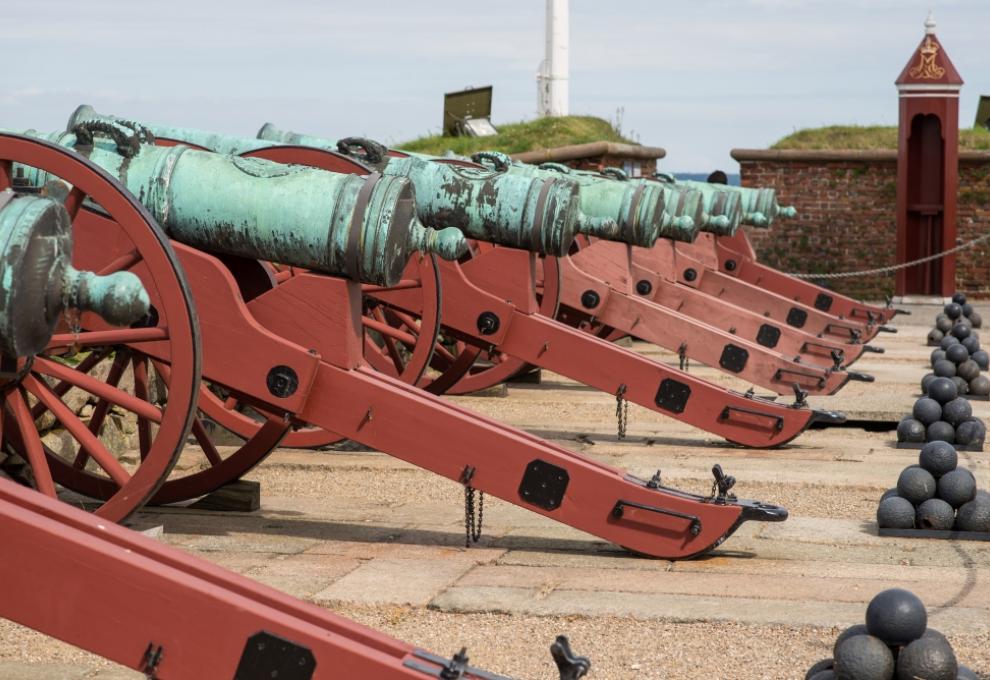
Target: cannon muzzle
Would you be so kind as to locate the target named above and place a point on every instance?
(38, 282)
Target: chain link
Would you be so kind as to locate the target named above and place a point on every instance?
(894, 267)
(473, 522)
(621, 410)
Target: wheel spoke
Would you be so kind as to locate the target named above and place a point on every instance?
(34, 452)
(394, 316)
(102, 407)
(120, 336)
(88, 441)
(404, 284)
(74, 201)
(122, 263)
(393, 351)
(84, 366)
(388, 331)
(205, 443)
(139, 366)
(93, 386)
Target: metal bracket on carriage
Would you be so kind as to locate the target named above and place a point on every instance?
(800, 397)
(722, 485)
(570, 665)
(455, 668)
(889, 303)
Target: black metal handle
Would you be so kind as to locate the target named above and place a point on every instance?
(620, 506)
(373, 152)
(778, 422)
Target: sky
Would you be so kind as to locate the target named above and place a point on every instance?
(696, 77)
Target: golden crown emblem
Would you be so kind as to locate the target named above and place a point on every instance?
(926, 68)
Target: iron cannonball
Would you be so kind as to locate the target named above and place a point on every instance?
(896, 616)
(948, 341)
(823, 665)
(926, 410)
(916, 485)
(943, 323)
(937, 355)
(941, 431)
(982, 359)
(944, 368)
(959, 298)
(938, 458)
(935, 336)
(926, 381)
(896, 513)
(968, 370)
(957, 411)
(953, 310)
(981, 429)
(965, 673)
(957, 487)
(976, 320)
(887, 494)
(971, 343)
(980, 385)
(967, 309)
(942, 390)
(975, 515)
(911, 430)
(967, 433)
(957, 353)
(864, 657)
(961, 329)
(962, 387)
(858, 629)
(929, 658)
(935, 514)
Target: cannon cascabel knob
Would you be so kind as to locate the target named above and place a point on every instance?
(599, 227)
(38, 282)
(120, 298)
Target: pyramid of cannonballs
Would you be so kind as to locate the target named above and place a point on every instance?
(957, 311)
(935, 495)
(958, 355)
(942, 415)
(895, 642)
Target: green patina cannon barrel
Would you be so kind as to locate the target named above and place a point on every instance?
(613, 206)
(38, 281)
(537, 214)
(759, 205)
(635, 212)
(363, 228)
(722, 209)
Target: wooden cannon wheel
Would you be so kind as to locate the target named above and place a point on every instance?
(95, 382)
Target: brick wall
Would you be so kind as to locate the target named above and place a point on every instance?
(847, 216)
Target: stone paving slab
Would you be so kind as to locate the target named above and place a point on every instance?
(394, 581)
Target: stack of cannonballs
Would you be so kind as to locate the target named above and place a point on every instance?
(894, 644)
(942, 415)
(957, 311)
(960, 358)
(935, 495)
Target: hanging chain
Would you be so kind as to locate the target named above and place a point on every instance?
(472, 521)
(621, 410)
(894, 267)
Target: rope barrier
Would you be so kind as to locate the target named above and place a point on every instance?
(894, 267)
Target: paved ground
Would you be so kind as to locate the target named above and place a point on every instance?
(383, 543)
